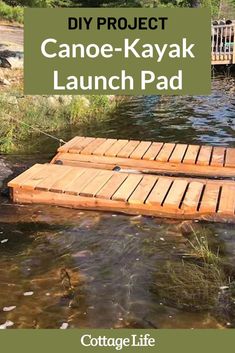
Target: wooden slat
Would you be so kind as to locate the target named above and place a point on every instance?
(75, 187)
(115, 148)
(140, 150)
(80, 145)
(126, 151)
(127, 188)
(227, 200)
(159, 192)
(100, 151)
(191, 154)
(217, 159)
(55, 173)
(107, 191)
(43, 173)
(209, 198)
(153, 151)
(178, 153)
(20, 179)
(175, 195)
(165, 152)
(92, 146)
(143, 189)
(192, 197)
(66, 179)
(230, 157)
(96, 184)
(204, 155)
(141, 164)
(69, 144)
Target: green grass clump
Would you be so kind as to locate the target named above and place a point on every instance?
(12, 14)
(201, 249)
(49, 114)
(188, 285)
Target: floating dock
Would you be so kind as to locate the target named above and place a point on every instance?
(135, 177)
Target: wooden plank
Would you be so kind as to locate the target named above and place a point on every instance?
(92, 203)
(66, 179)
(75, 187)
(204, 156)
(175, 195)
(126, 151)
(115, 148)
(55, 173)
(192, 197)
(107, 191)
(100, 151)
(165, 152)
(143, 189)
(230, 157)
(92, 146)
(153, 151)
(191, 154)
(227, 200)
(34, 170)
(141, 164)
(48, 171)
(70, 143)
(96, 184)
(218, 156)
(209, 198)
(127, 187)
(140, 150)
(178, 153)
(80, 145)
(159, 192)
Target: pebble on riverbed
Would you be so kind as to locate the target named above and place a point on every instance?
(27, 294)
(9, 308)
(64, 326)
(6, 324)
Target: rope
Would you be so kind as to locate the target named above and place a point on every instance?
(61, 141)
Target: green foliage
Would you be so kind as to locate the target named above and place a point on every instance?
(190, 286)
(213, 4)
(50, 114)
(12, 14)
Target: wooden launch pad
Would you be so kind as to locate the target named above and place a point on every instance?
(135, 177)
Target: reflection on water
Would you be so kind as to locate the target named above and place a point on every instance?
(112, 259)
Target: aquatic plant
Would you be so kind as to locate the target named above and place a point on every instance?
(201, 248)
(188, 285)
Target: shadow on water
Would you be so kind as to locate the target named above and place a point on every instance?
(114, 262)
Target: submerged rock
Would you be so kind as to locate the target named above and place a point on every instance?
(5, 171)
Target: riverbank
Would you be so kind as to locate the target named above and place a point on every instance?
(22, 115)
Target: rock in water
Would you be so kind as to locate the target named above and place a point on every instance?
(5, 171)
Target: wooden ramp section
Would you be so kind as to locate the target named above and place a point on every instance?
(133, 193)
(164, 158)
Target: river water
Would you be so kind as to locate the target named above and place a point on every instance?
(115, 262)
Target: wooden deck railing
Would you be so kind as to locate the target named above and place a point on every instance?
(222, 44)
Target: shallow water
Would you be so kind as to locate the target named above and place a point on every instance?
(112, 259)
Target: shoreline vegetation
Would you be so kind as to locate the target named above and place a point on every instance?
(48, 113)
(13, 10)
